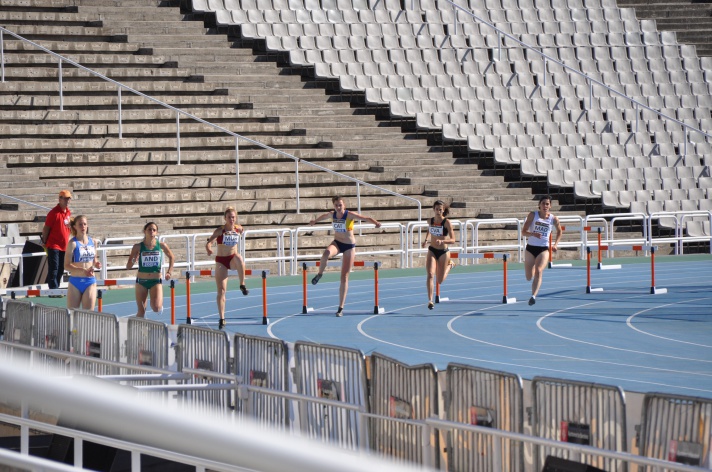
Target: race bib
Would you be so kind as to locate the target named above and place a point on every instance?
(436, 230)
(86, 254)
(230, 239)
(543, 228)
(151, 259)
(340, 226)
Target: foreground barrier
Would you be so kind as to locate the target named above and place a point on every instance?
(377, 309)
(481, 255)
(37, 292)
(189, 274)
(653, 289)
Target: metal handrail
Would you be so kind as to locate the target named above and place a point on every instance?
(19, 200)
(591, 80)
(180, 112)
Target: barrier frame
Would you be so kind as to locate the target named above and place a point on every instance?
(477, 256)
(475, 247)
(410, 228)
(377, 309)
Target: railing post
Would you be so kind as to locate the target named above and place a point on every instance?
(544, 73)
(685, 129)
(590, 94)
(237, 163)
(121, 130)
(499, 45)
(358, 200)
(637, 116)
(2, 55)
(425, 439)
(454, 14)
(178, 135)
(61, 95)
(296, 175)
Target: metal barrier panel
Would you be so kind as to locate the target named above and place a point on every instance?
(403, 393)
(485, 398)
(205, 349)
(95, 335)
(146, 342)
(262, 362)
(334, 373)
(581, 413)
(676, 428)
(50, 330)
(18, 327)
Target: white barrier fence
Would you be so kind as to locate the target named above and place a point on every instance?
(470, 235)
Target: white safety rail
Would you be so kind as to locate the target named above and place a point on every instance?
(197, 246)
(472, 232)
(19, 257)
(37, 291)
(280, 258)
(115, 244)
(297, 257)
(680, 218)
(414, 244)
(575, 223)
(186, 241)
(377, 308)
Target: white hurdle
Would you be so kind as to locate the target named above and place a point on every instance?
(377, 310)
(653, 289)
(480, 255)
(34, 292)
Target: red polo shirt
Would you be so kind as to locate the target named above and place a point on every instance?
(58, 222)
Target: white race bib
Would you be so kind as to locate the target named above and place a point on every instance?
(340, 226)
(151, 259)
(230, 239)
(436, 230)
(86, 254)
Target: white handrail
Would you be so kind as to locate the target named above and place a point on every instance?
(475, 245)
(180, 112)
(24, 201)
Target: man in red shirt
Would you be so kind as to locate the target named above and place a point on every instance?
(55, 236)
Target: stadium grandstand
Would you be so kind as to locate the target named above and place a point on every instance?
(170, 111)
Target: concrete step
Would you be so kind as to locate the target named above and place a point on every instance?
(74, 47)
(93, 86)
(213, 115)
(146, 144)
(122, 74)
(47, 17)
(92, 61)
(155, 131)
(25, 101)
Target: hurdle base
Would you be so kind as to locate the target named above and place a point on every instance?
(592, 290)
(378, 310)
(265, 321)
(609, 267)
(657, 291)
(560, 266)
(508, 300)
(188, 321)
(439, 299)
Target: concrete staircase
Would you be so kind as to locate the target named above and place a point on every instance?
(690, 19)
(159, 50)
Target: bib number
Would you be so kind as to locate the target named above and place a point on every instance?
(339, 226)
(151, 259)
(230, 239)
(436, 230)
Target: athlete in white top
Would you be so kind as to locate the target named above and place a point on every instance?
(537, 228)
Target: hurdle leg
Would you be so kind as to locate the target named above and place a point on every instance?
(305, 307)
(100, 301)
(187, 298)
(173, 302)
(588, 273)
(653, 289)
(376, 308)
(264, 298)
(506, 299)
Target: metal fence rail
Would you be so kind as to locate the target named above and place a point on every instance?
(486, 398)
(580, 413)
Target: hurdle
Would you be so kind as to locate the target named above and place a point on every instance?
(377, 309)
(551, 264)
(189, 274)
(480, 255)
(124, 282)
(600, 265)
(36, 292)
(653, 289)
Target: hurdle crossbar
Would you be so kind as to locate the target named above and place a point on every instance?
(100, 294)
(601, 266)
(35, 292)
(377, 309)
(589, 249)
(567, 265)
(189, 274)
(480, 255)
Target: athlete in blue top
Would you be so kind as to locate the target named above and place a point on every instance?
(149, 255)
(537, 228)
(80, 262)
(344, 243)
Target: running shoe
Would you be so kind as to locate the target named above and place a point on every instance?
(431, 305)
(244, 290)
(221, 324)
(316, 279)
(340, 312)
(532, 301)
